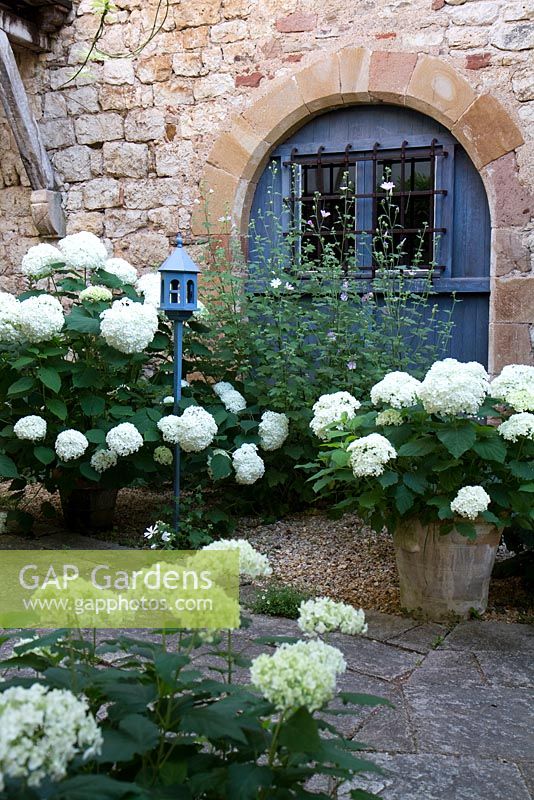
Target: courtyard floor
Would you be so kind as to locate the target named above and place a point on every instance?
(462, 725)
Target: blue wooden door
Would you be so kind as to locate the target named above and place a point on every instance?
(365, 139)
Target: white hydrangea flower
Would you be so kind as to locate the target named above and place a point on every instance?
(521, 399)
(41, 731)
(39, 260)
(70, 444)
(518, 425)
(252, 563)
(202, 312)
(298, 675)
(163, 455)
(103, 460)
(515, 385)
(330, 409)
(149, 286)
(248, 465)
(397, 389)
(369, 454)
(124, 439)
(127, 326)
(83, 251)
(324, 615)
(96, 294)
(231, 399)
(40, 318)
(193, 431)
(389, 417)
(31, 427)
(9, 318)
(273, 430)
(471, 501)
(122, 269)
(454, 387)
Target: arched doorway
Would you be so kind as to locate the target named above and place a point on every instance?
(436, 184)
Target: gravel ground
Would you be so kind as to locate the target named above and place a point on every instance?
(340, 558)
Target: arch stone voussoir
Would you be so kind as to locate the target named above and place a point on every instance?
(438, 90)
(348, 76)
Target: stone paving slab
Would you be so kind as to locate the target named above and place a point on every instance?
(375, 658)
(448, 667)
(422, 638)
(477, 636)
(516, 669)
(388, 729)
(418, 777)
(491, 722)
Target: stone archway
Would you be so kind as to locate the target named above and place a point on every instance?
(427, 84)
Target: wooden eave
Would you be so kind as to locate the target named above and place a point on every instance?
(29, 23)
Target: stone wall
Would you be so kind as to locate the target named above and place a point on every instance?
(129, 138)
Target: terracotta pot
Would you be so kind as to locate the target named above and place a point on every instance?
(444, 575)
(89, 508)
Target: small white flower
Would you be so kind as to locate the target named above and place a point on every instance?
(252, 563)
(397, 389)
(387, 186)
(163, 455)
(298, 675)
(149, 285)
(453, 387)
(389, 417)
(330, 409)
(518, 426)
(324, 615)
(71, 444)
(96, 294)
(515, 385)
(231, 399)
(151, 531)
(193, 431)
(273, 430)
(369, 454)
(471, 501)
(40, 318)
(289, 287)
(129, 327)
(276, 283)
(166, 537)
(248, 465)
(103, 460)
(122, 269)
(9, 318)
(42, 731)
(124, 439)
(32, 428)
(83, 251)
(39, 261)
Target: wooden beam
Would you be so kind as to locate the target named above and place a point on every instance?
(23, 33)
(17, 110)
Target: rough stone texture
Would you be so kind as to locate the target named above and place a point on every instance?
(512, 343)
(211, 62)
(514, 299)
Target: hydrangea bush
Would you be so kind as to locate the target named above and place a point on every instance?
(138, 718)
(87, 361)
(453, 448)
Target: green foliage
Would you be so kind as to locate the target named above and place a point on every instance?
(279, 601)
(437, 455)
(297, 322)
(168, 731)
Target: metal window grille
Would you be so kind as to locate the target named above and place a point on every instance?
(323, 183)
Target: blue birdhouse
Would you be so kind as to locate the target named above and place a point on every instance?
(179, 283)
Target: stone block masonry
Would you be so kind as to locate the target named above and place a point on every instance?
(129, 138)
